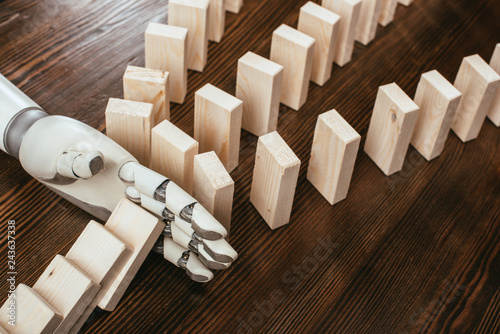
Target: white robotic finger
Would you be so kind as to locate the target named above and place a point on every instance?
(144, 179)
(206, 225)
(133, 195)
(80, 165)
(152, 205)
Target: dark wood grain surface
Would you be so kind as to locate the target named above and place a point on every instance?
(415, 252)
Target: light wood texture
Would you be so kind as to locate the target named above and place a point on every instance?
(68, 289)
(387, 12)
(172, 154)
(391, 128)
(3, 331)
(33, 314)
(494, 113)
(193, 15)
(217, 124)
(368, 21)
(148, 85)
(129, 124)
(216, 20)
(102, 256)
(322, 25)
(233, 6)
(294, 51)
(213, 187)
(333, 156)
(478, 83)
(139, 230)
(438, 100)
(405, 2)
(274, 180)
(258, 85)
(166, 50)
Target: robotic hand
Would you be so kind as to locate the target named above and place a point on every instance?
(93, 172)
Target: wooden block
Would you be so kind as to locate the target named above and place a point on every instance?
(478, 83)
(323, 25)
(129, 124)
(387, 12)
(391, 128)
(193, 15)
(213, 187)
(3, 331)
(68, 289)
(172, 154)
(217, 124)
(166, 50)
(333, 155)
(438, 100)
(293, 50)
(216, 20)
(147, 85)
(405, 2)
(258, 85)
(233, 6)
(368, 21)
(494, 113)
(31, 313)
(274, 180)
(102, 256)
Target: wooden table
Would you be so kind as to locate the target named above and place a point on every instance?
(417, 251)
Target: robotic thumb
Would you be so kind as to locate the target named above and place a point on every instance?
(80, 165)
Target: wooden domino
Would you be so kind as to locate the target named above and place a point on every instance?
(216, 20)
(233, 6)
(3, 331)
(166, 50)
(333, 155)
(438, 101)
(387, 12)
(138, 229)
(391, 128)
(258, 85)
(478, 83)
(193, 15)
(494, 113)
(293, 50)
(172, 154)
(323, 25)
(217, 124)
(405, 2)
(368, 21)
(274, 180)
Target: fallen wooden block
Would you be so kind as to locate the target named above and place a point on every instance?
(274, 180)
(139, 229)
(216, 20)
(129, 124)
(27, 312)
(193, 15)
(322, 25)
(172, 154)
(405, 2)
(101, 255)
(213, 187)
(387, 12)
(217, 124)
(349, 11)
(258, 85)
(294, 51)
(3, 331)
(494, 113)
(438, 100)
(368, 21)
(391, 128)
(333, 155)
(478, 83)
(151, 86)
(233, 6)
(166, 50)
(68, 289)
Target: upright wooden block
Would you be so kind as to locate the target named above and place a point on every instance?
(139, 229)
(233, 6)
(494, 113)
(391, 128)
(217, 124)
(213, 187)
(32, 313)
(166, 50)
(405, 2)
(293, 50)
(172, 154)
(101, 255)
(68, 289)
(387, 12)
(333, 155)
(438, 101)
(216, 20)
(193, 15)
(323, 25)
(368, 21)
(129, 124)
(274, 180)
(258, 85)
(478, 83)
(151, 86)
